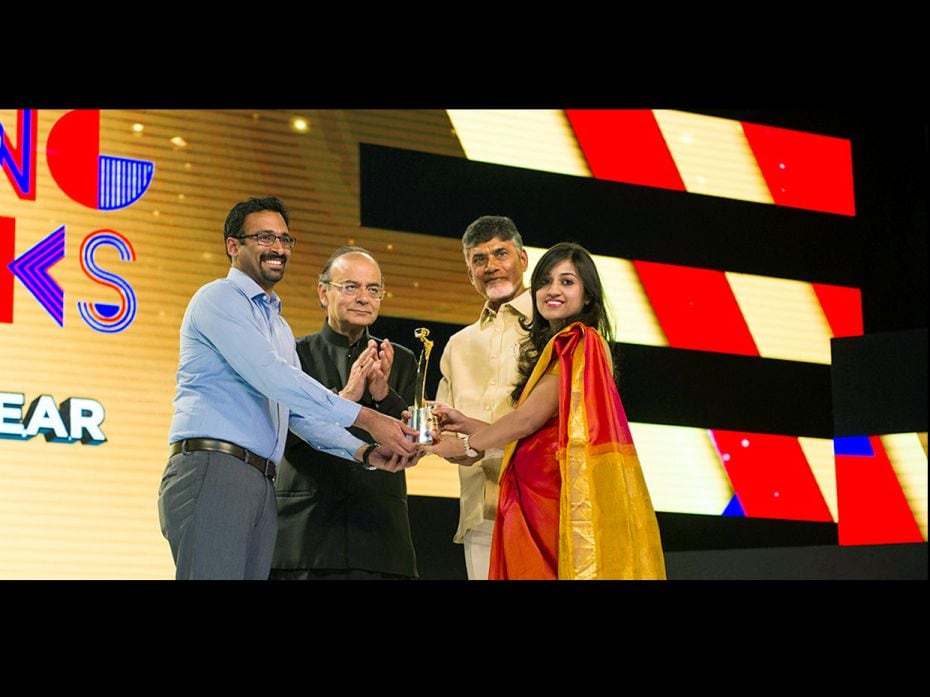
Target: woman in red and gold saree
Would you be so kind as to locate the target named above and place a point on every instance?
(573, 500)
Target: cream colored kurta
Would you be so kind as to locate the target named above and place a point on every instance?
(479, 370)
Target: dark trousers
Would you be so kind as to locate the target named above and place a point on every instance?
(219, 516)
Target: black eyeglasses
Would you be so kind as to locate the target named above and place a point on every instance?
(266, 239)
(350, 290)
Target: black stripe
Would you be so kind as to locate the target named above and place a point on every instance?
(680, 387)
(440, 195)
(715, 390)
(687, 531)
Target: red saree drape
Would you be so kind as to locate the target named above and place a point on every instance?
(573, 500)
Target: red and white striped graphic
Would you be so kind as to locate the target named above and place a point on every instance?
(669, 149)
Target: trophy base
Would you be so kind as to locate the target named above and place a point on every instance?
(422, 420)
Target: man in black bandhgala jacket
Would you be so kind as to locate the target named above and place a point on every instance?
(337, 519)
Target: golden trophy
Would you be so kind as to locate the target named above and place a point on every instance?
(421, 417)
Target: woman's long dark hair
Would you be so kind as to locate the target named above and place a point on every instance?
(593, 312)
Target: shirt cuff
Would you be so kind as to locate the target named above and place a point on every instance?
(345, 412)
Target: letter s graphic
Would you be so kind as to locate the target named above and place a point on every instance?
(105, 317)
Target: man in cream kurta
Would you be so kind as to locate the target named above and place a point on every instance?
(479, 370)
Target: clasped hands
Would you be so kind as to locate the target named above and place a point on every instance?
(372, 368)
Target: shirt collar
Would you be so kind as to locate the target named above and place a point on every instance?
(333, 337)
(252, 290)
(522, 306)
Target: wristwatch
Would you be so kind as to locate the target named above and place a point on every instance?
(366, 453)
(469, 451)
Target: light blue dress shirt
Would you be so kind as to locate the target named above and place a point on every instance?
(239, 377)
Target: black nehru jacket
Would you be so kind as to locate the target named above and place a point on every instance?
(333, 514)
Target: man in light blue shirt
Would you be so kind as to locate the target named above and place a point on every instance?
(240, 388)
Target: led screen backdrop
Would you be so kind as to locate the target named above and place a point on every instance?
(111, 219)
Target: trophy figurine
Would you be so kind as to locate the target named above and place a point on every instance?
(421, 417)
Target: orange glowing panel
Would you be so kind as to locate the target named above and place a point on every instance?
(770, 476)
(819, 455)
(696, 308)
(872, 506)
(625, 145)
(804, 170)
(842, 307)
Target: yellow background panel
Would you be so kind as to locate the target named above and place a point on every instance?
(532, 138)
(713, 156)
(909, 460)
(434, 476)
(819, 455)
(73, 511)
(784, 317)
(682, 469)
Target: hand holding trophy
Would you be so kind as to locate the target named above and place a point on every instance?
(421, 415)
